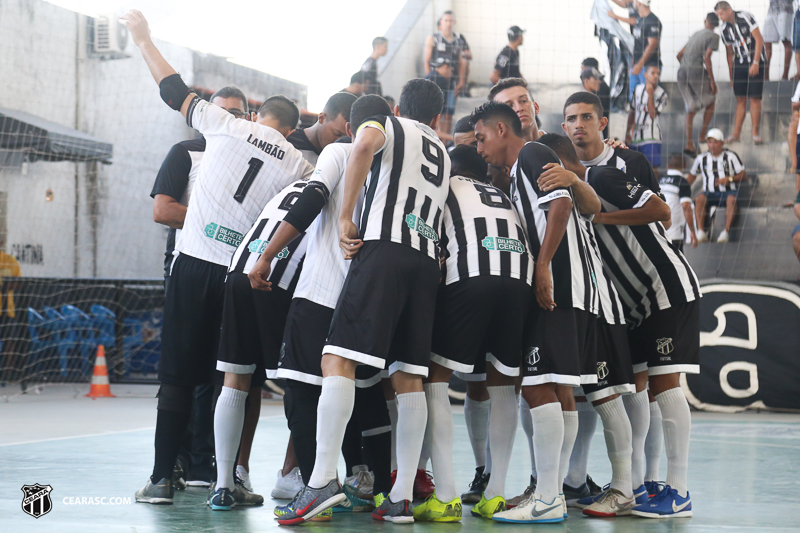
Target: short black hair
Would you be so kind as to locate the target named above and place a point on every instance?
(466, 161)
(421, 100)
(231, 91)
(390, 100)
(675, 161)
(339, 104)
(281, 108)
(561, 146)
(448, 12)
(500, 112)
(591, 62)
(713, 19)
(464, 125)
(358, 77)
(369, 105)
(507, 83)
(377, 41)
(585, 97)
(722, 5)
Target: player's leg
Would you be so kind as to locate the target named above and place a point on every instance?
(755, 115)
(741, 111)
(700, 216)
(391, 406)
(376, 435)
(575, 482)
(228, 424)
(653, 446)
(787, 58)
(476, 416)
(201, 468)
(730, 211)
(251, 415)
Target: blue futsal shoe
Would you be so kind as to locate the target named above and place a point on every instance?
(666, 504)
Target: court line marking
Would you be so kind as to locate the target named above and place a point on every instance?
(726, 441)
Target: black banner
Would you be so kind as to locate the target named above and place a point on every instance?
(749, 347)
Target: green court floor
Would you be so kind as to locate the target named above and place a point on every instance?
(744, 474)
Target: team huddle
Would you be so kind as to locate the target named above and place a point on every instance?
(536, 266)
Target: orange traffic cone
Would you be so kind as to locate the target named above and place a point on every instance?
(100, 386)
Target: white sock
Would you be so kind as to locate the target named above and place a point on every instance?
(527, 427)
(412, 417)
(639, 414)
(488, 468)
(617, 432)
(677, 422)
(548, 439)
(391, 405)
(333, 412)
(570, 433)
(476, 415)
(653, 444)
(440, 426)
(228, 422)
(425, 452)
(502, 428)
(579, 460)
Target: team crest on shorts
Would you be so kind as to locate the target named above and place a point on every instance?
(533, 356)
(665, 346)
(36, 500)
(602, 370)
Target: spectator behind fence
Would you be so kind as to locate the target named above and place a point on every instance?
(451, 46)
(696, 77)
(722, 171)
(11, 329)
(778, 28)
(646, 44)
(796, 36)
(592, 81)
(644, 129)
(380, 46)
(796, 232)
(633, 14)
(678, 194)
(604, 92)
(745, 50)
(357, 84)
(507, 63)
(795, 148)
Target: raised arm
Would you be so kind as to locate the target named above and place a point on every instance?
(174, 92)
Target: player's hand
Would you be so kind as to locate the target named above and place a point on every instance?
(137, 25)
(753, 70)
(614, 143)
(348, 238)
(260, 274)
(694, 240)
(544, 284)
(555, 176)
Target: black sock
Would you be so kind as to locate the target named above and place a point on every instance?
(378, 451)
(351, 446)
(170, 428)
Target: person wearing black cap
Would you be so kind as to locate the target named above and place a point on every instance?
(604, 92)
(441, 73)
(593, 81)
(507, 63)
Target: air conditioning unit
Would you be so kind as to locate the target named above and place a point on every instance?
(110, 37)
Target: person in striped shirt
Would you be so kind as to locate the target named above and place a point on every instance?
(644, 129)
(722, 171)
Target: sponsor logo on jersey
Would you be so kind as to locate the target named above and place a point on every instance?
(258, 246)
(224, 235)
(633, 188)
(664, 346)
(419, 225)
(268, 148)
(503, 244)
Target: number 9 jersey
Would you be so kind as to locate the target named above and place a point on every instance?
(407, 186)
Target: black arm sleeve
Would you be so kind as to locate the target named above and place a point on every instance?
(308, 206)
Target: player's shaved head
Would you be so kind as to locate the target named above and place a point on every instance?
(585, 97)
(421, 100)
(466, 161)
(675, 161)
(339, 104)
(370, 105)
(562, 146)
(231, 91)
(491, 113)
(282, 109)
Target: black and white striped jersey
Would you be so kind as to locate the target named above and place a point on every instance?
(244, 166)
(649, 273)
(709, 169)
(611, 308)
(285, 267)
(574, 284)
(407, 185)
(646, 128)
(482, 234)
(677, 192)
(739, 36)
(634, 164)
(324, 268)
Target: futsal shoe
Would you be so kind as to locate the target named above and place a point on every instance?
(288, 486)
(575, 494)
(666, 504)
(488, 508)
(423, 485)
(312, 502)
(161, 492)
(378, 498)
(702, 236)
(361, 481)
(563, 504)
(435, 510)
(398, 513)
(641, 495)
(179, 476)
(221, 499)
(653, 487)
(611, 503)
(245, 498)
(516, 500)
(723, 237)
(476, 488)
(242, 478)
(534, 511)
(354, 502)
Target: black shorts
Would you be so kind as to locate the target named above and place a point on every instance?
(480, 317)
(668, 341)
(192, 320)
(252, 329)
(744, 85)
(559, 347)
(385, 313)
(614, 367)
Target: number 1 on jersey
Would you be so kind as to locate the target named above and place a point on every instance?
(255, 165)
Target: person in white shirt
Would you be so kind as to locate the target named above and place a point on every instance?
(644, 130)
(678, 194)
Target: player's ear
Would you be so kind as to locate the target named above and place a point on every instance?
(501, 128)
(397, 110)
(564, 128)
(435, 122)
(536, 107)
(348, 130)
(321, 118)
(603, 123)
